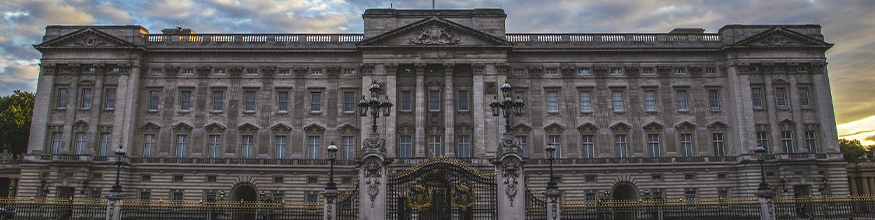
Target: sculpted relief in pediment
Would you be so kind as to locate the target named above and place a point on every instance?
(434, 35)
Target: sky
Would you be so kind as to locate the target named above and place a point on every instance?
(849, 24)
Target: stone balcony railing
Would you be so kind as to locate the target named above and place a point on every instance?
(410, 161)
(616, 40)
(253, 38)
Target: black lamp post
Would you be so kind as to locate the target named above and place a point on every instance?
(374, 104)
(508, 106)
(332, 154)
(84, 187)
(761, 158)
(222, 195)
(551, 185)
(647, 194)
(119, 157)
(607, 195)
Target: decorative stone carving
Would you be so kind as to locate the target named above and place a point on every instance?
(501, 68)
(632, 71)
(535, 71)
(150, 127)
(182, 128)
(448, 69)
(663, 71)
(171, 71)
(214, 128)
(685, 126)
(250, 128)
(300, 71)
(391, 68)
(696, 71)
(373, 173)
(568, 71)
(90, 41)
(600, 71)
(367, 68)
(314, 128)
(511, 173)
(434, 35)
(818, 68)
(268, 71)
(48, 68)
(203, 71)
(653, 127)
(333, 72)
(621, 128)
(587, 128)
(717, 126)
(235, 71)
(490, 88)
(776, 41)
(348, 129)
(554, 128)
(478, 68)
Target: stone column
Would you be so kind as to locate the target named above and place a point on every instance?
(419, 139)
(853, 185)
(553, 211)
(43, 98)
(511, 184)
(449, 111)
(330, 206)
(767, 207)
(865, 182)
(114, 206)
(373, 179)
(871, 184)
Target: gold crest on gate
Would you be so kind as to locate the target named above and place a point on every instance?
(419, 197)
(463, 196)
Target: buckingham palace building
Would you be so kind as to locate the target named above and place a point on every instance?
(676, 114)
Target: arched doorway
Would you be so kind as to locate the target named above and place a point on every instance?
(247, 193)
(624, 191)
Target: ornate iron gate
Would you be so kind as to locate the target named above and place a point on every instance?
(536, 205)
(348, 204)
(441, 189)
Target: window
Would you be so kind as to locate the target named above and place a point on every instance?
(210, 196)
(588, 146)
(218, 100)
(406, 149)
(153, 100)
(757, 95)
(434, 146)
(714, 100)
(787, 141)
(464, 146)
(116, 69)
(798, 174)
(519, 72)
(552, 101)
(285, 71)
(312, 197)
(780, 98)
(551, 71)
(248, 141)
(251, 71)
(583, 71)
(803, 97)
(763, 140)
(280, 146)
(589, 178)
(215, 146)
(653, 145)
(647, 71)
(178, 178)
(690, 194)
(721, 176)
(184, 100)
(282, 101)
(149, 145)
(312, 180)
(313, 147)
(590, 197)
(177, 196)
(682, 100)
(80, 143)
(811, 141)
(315, 102)
(723, 193)
(406, 100)
(617, 98)
(250, 101)
(649, 100)
(710, 70)
(620, 145)
(349, 72)
(62, 98)
(211, 179)
(317, 72)
(145, 195)
(434, 100)
(521, 95)
(278, 179)
(524, 142)
(278, 197)
(157, 71)
(109, 99)
(146, 178)
(689, 177)
(463, 100)
(348, 102)
(656, 178)
(687, 145)
(679, 70)
(718, 144)
(585, 101)
(556, 140)
(188, 71)
(348, 143)
(616, 71)
(57, 138)
(105, 139)
(181, 145)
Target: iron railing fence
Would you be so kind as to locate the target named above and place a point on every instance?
(348, 204)
(52, 208)
(219, 210)
(536, 205)
(728, 208)
(826, 207)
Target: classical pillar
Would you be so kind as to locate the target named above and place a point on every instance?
(43, 98)
(449, 111)
(373, 179)
(871, 184)
(511, 183)
(419, 139)
(853, 185)
(865, 182)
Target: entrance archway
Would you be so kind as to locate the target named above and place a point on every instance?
(244, 192)
(624, 191)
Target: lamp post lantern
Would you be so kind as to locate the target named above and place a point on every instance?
(507, 106)
(374, 105)
(761, 158)
(551, 185)
(332, 154)
(120, 156)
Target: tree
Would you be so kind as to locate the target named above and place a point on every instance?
(16, 112)
(852, 149)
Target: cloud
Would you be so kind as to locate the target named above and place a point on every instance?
(870, 138)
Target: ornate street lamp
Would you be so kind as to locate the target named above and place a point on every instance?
(507, 106)
(332, 154)
(761, 158)
(222, 195)
(647, 194)
(119, 158)
(374, 104)
(551, 185)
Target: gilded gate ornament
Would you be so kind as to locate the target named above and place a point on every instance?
(463, 196)
(419, 197)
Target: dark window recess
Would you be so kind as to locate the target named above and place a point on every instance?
(178, 178)
(278, 179)
(312, 180)
(146, 178)
(211, 179)
(346, 180)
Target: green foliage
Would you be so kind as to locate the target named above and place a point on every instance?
(16, 112)
(852, 149)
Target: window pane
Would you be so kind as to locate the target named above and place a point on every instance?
(62, 98)
(181, 145)
(149, 145)
(553, 101)
(109, 99)
(215, 146)
(524, 142)
(556, 140)
(80, 143)
(649, 100)
(620, 145)
(280, 147)
(153, 100)
(217, 100)
(803, 97)
(406, 100)
(185, 100)
(86, 99)
(313, 149)
(687, 145)
(57, 144)
(682, 100)
(315, 101)
(780, 97)
(811, 141)
(617, 98)
(653, 145)
(787, 141)
(434, 100)
(406, 149)
(348, 101)
(464, 146)
(463, 100)
(757, 98)
(585, 101)
(763, 140)
(105, 144)
(588, 147)
(714, 99)
(250, 101)
(348, 147)
(434, 146)
(247, 146)
(718, 144)
(282, 101)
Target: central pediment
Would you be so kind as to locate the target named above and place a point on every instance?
(434, 32)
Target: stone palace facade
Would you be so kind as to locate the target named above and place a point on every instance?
(677, 114)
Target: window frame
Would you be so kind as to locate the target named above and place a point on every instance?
(405, 146)
(315, 101)
(185, 101)
(615, 102)
(63, 96)
(686, 144)
(552, 101)
(621, 146)
(781, 98)
(348, 146)
(811, 141)
(249, 100)
(714, 99)
(719, 144)
(683, 100)
(804, 97)
(757, 98)
(314, 145)
(282, 103)
(787, 141)
(109, 97)
(214, 146)
(182, 141)
(247, 145)
(585, 101)
(463, 143)
(650, 100)
(434, 145)
(434, 100)
(348, 98)
(280, 146)
(463, 100)
(218, 101)
(653, 147)
(587, 142)
(406, 103)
